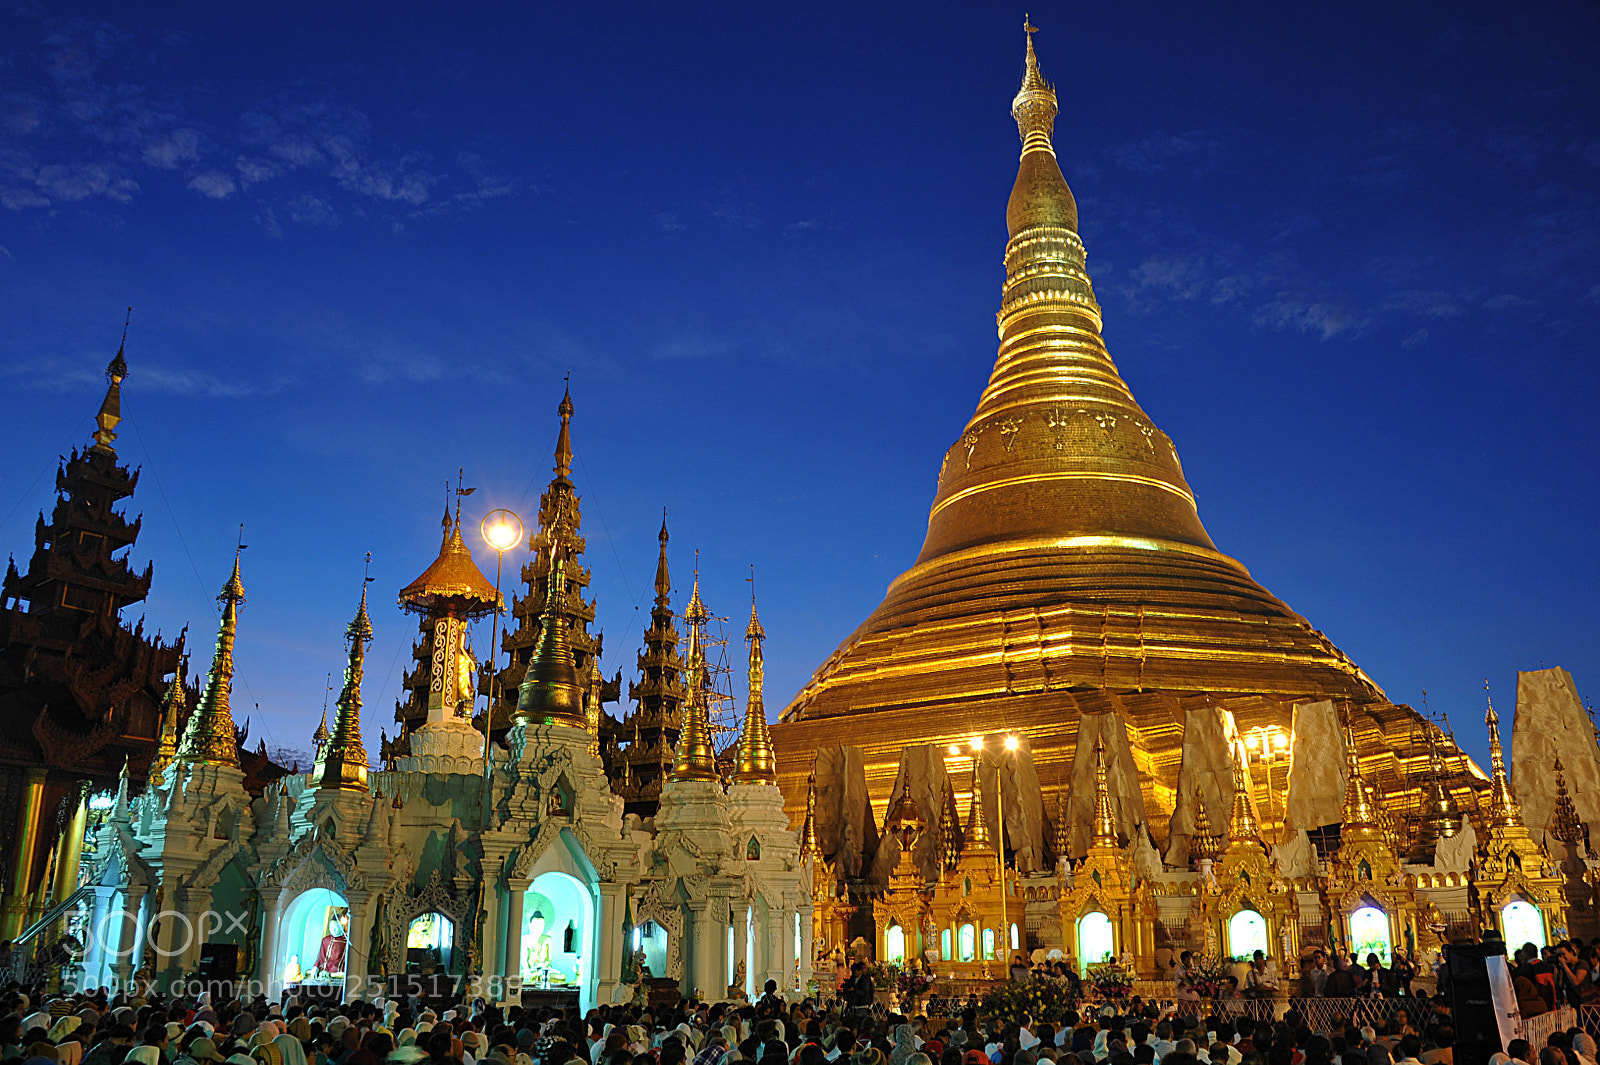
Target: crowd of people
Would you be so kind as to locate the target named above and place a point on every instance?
(94, 1029)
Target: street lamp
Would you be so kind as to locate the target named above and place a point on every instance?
(502, 530)
(1266, 744)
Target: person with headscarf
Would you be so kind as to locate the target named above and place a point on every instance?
(905, 1044)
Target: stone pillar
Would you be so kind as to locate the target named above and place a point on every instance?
(358, 945)
(786, 953)
(808, 947)
(514, 901)
(14, 913)
(95, 959)
(267, 959)
(494, 939)
(130, 938)
(706, 940)
(608, 948)
(190, 930)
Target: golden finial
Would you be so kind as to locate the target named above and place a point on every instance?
(591, 709)
(1204, 844)
(550, 692)
(1104, 831)
(563, 466)
(809, 847)
(695, 759)
(977, 839)
(110, 412)
(1035, 106)
(1564, 823)
(209, 737)
(1503, 809)
(172, 705)
(663, 579)
(754, 761)
(1242, 826)
(344, 765)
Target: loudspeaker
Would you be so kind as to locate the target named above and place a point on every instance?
(219, 961)
(1472, 1003)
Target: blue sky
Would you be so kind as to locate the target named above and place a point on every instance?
(1349, 258)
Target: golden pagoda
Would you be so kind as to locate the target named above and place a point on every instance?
(753, 761)
(1066, 569)
(1514, 867)
(343, 760)
(209, 737)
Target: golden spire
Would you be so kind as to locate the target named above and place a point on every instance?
(753, 760)
(1360, 815)
(110, 412)
(949, 827)
(1564, 823)
(809, 847)
(1035, 106)
(591, 709)
(172, 706)
(977, 839)
(1204, 844)
(663, 580)
(1063, 835)
(209, 738)
(1242, 826)
(1104, 829)
(320, 737)
(344, 765)
(1503, 809)
(695, 759)
(564, 437)
(550, 692)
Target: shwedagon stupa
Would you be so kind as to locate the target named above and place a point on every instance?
(1067, 585)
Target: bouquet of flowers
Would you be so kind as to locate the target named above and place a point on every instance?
(1211, 978)
(912, 983)
(1040, 997)
(1111, 981)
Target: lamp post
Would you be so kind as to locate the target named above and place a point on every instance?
(1266, 743)
(502, 530)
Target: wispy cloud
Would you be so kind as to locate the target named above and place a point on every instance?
(90, 112)
(77, 374)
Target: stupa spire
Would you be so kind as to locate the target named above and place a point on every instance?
(809, 847)
(977, 838)
(1360, 816)
(344, 765)
(1063, 828)
(1104, 828)
(694, 757)
(172, 706)
(1242, 826)
(110, 412)
(1564, 823)
(753, 760)
(209, 738)
(564, 436)
(1503, 809)
(1205, 844)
